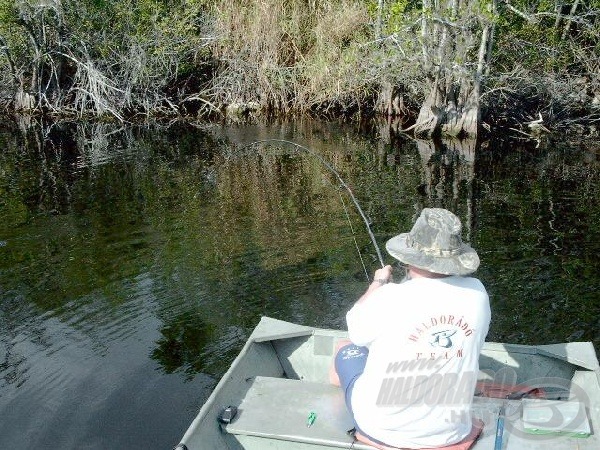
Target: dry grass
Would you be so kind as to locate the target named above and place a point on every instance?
(287, 55)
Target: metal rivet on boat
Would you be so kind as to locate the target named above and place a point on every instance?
(228, 414)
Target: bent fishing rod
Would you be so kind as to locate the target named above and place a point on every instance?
(339, 178)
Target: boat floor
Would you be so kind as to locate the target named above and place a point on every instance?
(277, 409)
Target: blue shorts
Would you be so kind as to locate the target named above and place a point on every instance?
(350, 363)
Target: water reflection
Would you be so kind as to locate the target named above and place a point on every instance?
(182, 343)
(134, 262)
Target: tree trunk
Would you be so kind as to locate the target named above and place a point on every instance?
(570, 20)
(390, 102)
(378, 20)
(24, 102)
(431, 116)
(452, 107)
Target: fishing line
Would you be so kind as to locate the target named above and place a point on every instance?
(354, 237)
(342, 183)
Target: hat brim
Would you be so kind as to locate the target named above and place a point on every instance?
(466, 261)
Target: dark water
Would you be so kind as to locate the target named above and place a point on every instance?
(134, 262)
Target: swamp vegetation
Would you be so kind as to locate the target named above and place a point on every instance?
(453, 67)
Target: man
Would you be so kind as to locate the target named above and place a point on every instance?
(410, 371)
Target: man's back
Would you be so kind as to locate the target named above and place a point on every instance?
(424, 337)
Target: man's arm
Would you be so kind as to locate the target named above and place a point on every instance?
(382, 276)
(364, 318)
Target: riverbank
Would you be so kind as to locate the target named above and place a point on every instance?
(460, 72)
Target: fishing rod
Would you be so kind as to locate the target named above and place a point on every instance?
(339, 178)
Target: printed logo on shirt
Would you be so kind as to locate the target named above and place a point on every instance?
(352, 352)
(443, 334)
(442, 338)
(441, 325)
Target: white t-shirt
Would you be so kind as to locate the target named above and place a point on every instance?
(424, 338)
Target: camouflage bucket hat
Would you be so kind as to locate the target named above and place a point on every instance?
(435, 244)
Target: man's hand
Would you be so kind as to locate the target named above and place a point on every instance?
(383, 275)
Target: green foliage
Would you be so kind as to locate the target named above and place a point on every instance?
(541, 43)
(108, 55)
(397, 16)
(7, 12)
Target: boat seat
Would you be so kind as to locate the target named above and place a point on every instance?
(278, 409)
